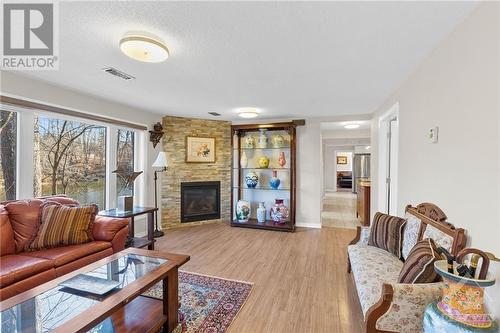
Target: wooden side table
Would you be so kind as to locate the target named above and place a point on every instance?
(132, 241)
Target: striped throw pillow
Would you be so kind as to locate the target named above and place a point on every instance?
(386, 233)
(64, 225)
(419, 266)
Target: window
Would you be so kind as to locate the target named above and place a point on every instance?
(70, 158)
(8, 138)
(124, 161)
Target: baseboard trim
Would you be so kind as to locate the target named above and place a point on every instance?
(308, 225)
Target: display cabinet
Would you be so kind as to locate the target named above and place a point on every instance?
(263, 176)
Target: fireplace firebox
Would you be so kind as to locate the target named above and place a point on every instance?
(200, 201)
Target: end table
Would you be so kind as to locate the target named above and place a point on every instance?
(132, 241)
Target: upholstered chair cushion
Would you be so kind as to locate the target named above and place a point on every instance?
(64, 225)
(410, 234)
(386, 233)
(419, 266)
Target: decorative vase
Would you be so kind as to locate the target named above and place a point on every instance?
(243, 160)
(279, 212)
(249, 142)
(263, 138)
(461, 308)
(281, 159)
(274, 182)
(261, 213)
(243, 211)
(278, 141)
(251, 179)
(264, 162)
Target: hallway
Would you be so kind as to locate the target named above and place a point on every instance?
(339, 210)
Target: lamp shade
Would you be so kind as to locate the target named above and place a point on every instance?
(161, 160)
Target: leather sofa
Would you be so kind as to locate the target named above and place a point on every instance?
(21, 270)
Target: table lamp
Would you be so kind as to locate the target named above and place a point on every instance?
(160, 165)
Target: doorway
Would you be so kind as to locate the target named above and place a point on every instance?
(388, 161)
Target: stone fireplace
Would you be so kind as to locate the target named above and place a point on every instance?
(200, 201)
(183, 201)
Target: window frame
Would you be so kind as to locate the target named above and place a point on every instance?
(25, 149)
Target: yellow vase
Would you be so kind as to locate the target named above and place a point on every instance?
(264, 162)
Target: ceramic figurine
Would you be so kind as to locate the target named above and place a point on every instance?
(281, 159)
(461, 308)
(264, 162)
(261, 213)
(251, 179)
(249, 142)
(243, 211)
(278, 141)
(274, 182)
(279, 212)
(243, 160)
(263, 138)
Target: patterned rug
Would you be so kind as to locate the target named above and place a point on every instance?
(208, 304)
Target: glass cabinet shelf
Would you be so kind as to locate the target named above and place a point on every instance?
(270, 169)
(262, 188)
(269, 148)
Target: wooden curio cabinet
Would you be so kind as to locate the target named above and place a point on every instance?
(263, 174)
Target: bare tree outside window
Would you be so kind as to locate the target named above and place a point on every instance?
(70, 158)
(8, 141)
(124, 160)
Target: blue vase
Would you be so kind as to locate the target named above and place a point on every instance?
(251, 179)
(274, 182)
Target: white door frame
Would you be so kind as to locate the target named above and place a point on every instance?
(383, 161)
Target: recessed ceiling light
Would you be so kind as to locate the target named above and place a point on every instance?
(351, 126)
(144, 47)
(248, 112)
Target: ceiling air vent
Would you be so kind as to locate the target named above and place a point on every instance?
(120, 74)
(215, 114)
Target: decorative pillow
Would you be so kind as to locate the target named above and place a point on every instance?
(410, 234)
(64, 225)
(386, 233)
(419, 266)
(439, 237)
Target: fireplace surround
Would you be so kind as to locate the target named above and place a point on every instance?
(200, 201)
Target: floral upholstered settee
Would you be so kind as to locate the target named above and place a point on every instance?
(389, 306)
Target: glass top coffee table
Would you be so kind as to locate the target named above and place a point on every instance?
(61, 305)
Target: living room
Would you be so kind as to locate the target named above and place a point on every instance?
(202, 132)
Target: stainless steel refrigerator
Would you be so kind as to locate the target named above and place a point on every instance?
(360, 170)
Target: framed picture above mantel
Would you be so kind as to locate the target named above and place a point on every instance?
(200, 149)
(263, 176)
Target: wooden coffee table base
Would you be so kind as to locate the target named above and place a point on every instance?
(148, 314)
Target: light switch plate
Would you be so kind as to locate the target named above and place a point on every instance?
(432, 135)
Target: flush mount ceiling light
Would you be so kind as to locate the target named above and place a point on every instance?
(351, 126)
(144, 47)
(248, 112)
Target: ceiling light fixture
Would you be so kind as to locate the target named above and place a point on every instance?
(248, 113)
(351, 126)
(144, 47)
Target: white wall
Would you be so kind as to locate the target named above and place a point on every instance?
(456, 88)
(16, 85)
(341, 134)
(348, 166)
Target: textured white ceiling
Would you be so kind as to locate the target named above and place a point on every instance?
(292, 59)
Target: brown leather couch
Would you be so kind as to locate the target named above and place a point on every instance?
(21, 270)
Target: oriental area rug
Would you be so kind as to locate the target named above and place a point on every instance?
(208, 304)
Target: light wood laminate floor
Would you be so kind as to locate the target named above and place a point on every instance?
(300, 279)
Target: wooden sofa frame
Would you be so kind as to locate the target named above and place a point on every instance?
(429, 214)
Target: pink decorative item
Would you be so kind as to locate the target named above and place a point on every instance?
(279, 212)
(282, 160)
